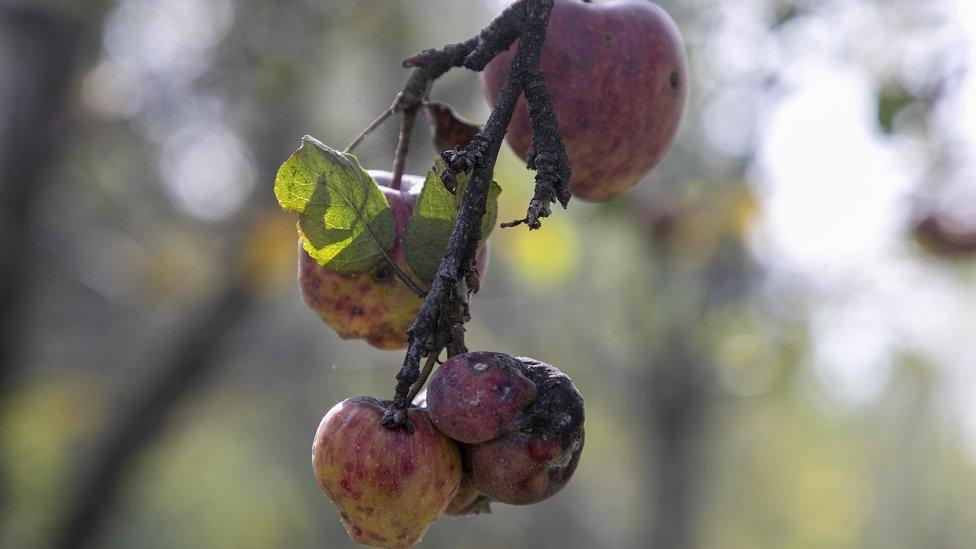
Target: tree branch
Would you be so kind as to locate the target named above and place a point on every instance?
(445, 310)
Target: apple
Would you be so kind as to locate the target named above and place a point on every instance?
(389, 485)
(375, 305)
(617, 81)
(468, 500)
(520, 421)
(475, 397)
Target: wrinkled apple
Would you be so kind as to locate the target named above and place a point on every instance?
(617, 81)
(527, 437)
(389, 485)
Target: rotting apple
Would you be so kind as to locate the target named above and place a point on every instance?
(389, 485)
(523, 454)
(616, 77)
(375, 305)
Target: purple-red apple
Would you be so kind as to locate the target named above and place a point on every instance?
(375, 305)
(616, 77)
(389, 485)
(475, 397)
(527, 437)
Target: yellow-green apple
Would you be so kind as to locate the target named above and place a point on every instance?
(616, 77)
(375, 305)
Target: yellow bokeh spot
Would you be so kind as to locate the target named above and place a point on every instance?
(267, 263)
(543, 258)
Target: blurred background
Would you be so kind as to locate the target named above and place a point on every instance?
(775, 332)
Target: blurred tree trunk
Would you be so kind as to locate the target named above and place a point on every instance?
(41, 64)
(677, 409)
(678, 380)
(189, 362)
(190, 357)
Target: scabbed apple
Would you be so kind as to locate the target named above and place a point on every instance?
(388, 484)
(616, 77)
(523, 454)
(375, 305)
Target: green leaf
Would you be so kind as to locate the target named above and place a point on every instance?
(433, 217)
(345, 222)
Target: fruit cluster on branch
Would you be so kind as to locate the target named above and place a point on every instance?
(393, 259)
(444, 308)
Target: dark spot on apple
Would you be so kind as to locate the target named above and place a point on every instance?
(674, 80)
(347, 486)
(357, 530)
(383, 273)
(357, 310)
(607, 37)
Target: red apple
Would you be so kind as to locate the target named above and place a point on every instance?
(475, 397)
(616, 77)
(389, 485)
(376, 305)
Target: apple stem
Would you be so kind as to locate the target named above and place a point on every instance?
(369, 129)
(445, 310)
(424, 373)
(400, 160)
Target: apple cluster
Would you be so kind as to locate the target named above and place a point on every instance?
(492, 427)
